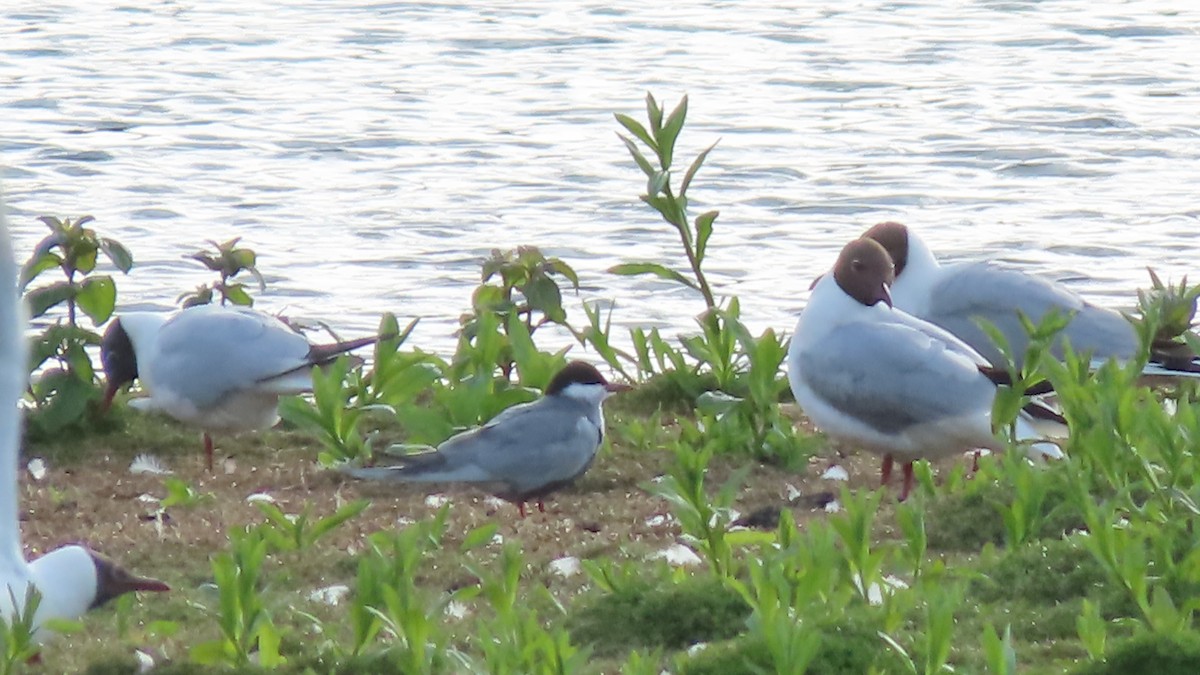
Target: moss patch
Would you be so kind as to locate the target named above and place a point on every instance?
(1158, 654)
(674, 616)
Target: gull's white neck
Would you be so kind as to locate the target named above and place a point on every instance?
(912, 291)
(828, 307)
(143, 329)
(67, 579)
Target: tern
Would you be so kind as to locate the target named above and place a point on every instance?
(527, 451)
(898, 386)
(218, 368)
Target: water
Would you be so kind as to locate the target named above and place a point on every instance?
(373, 153)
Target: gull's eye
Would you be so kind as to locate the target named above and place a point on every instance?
(857, 265)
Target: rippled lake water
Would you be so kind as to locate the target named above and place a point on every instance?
(373, 153)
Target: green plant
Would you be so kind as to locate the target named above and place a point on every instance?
(910, 518)
(228, 260)
(598, 334)
(247, 630)
(62, 392)
(705, 523)
(525, 297)
(1093, 632)
(18, 630)
(1001, 656)
(660, 139)
(180, 493)
(513, 641)
(854, 526)
(332, 416)
(940, 603)
(389, 602)
(1171, 311)
(296, 532)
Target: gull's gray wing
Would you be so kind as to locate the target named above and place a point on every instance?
(204, 353)
(526, 447)
(892, 376)
(973, 291)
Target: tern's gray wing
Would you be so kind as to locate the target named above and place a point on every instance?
(892, 376)
(536, 444)
(204, 353)
(974, 291)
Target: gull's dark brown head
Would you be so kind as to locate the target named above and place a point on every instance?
(894, 239)
(864, 271)
(118, 359)
(113, 581)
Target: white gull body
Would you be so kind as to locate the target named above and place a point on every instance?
(890, 382)
(219, 368)
(957, 296)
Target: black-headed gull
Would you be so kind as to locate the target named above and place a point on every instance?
(957, 296)
(898, 386)
(219, 368)
(527, 451)
(71, 579)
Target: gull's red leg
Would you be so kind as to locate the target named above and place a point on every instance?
(208, 450)
(908, 481)
(885, 471)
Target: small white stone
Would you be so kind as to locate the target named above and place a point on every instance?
(890, 584)
(145, 661)
(148, 464)
(260, 497)
(404, 521)
(330, 595)
(37, 468)
(833, 506)
(565, 567)
(497, 539)
(456, 610)
(494, 503)
(793, 492)
(697, 648)
(678, 555)
(436, 501)
(659, 520)
(835, 472)
(147, 498)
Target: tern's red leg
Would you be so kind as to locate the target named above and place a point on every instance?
(908, 481)
(975, 464)
(521, 508)
(885, 471)
(208, 450)
(541, 506)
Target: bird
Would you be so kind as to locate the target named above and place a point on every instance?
(956, 297)
(527, 451)
(71, 579)
(216, 367)
(866, 372)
